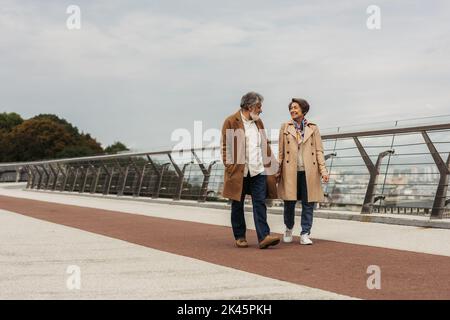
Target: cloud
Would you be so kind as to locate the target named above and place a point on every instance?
(137, 71)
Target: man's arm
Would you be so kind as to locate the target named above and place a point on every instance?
(281, 145)
(226, 152)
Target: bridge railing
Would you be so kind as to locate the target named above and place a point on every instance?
(395, 170)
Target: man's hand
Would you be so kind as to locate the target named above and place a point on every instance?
(326, 178)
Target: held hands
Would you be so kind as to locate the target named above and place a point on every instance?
(325, 177)
(278, 176)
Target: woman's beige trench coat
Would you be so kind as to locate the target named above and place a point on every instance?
(313, 158)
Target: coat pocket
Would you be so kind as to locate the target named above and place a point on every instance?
(230, 169)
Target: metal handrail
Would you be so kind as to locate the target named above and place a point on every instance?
(66, 173)
(380, 132)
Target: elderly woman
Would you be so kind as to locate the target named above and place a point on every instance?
(302, 166)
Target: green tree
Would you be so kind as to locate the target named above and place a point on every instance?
(3, 146)
(83, 145)
(46, 136)
(9, 121)
(37, 139)
(116, 147)
(75, 152)
(70, 128)
(86, 141)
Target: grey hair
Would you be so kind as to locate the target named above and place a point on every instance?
(250, 99)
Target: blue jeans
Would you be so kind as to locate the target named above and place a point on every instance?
(255, 186)
(307, 207)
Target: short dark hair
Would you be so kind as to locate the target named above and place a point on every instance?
(250, 99)
(304, 105)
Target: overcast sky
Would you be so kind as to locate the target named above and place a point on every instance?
(137, 70)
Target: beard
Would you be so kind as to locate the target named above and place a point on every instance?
(254, 116)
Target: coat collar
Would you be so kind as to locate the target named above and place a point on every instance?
(309, 130)
(238, 120)
(240, 123)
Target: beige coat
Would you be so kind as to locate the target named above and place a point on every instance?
(313, 158)
(234, 159)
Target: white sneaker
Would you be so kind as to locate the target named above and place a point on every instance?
(287, 237)
(304, 239)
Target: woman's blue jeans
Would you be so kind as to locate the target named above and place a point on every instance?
(307, 207)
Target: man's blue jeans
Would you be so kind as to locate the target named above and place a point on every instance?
(255, 186)
(307, 207)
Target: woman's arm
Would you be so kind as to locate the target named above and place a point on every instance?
(320, 154)
(280, 150)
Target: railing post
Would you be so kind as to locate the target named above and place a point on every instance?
(206, 176)
(374, 171)
(386, 172)
(18, 173)
(160, 177)
(180, 183)
(119, 178)
(141, 180)
(75, 178)
(329, 156)
(180, 174)
(47, 175)
(98, 171)
(55, 175)
(107, 184)
(437, 212)
(30, 177)
(69, 170)
(85, 178)
(205, 184)
(156, 188)
(137, 183)
(124, 176)
(64, 174)
(39, 180)
(332, 155)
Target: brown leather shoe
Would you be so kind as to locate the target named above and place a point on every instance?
(269, 241)
(241, 243)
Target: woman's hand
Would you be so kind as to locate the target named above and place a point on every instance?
(325, 178)
(278, 176)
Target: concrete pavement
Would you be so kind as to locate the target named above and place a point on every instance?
(35, 256)
(35, 253)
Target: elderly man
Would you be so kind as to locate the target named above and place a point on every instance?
(250, 168)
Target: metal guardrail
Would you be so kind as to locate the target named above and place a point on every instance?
(401, 170)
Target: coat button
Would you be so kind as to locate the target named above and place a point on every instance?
(287, 161)
(288, 152)
(289, 142)
(313, 153)
(314, 163)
